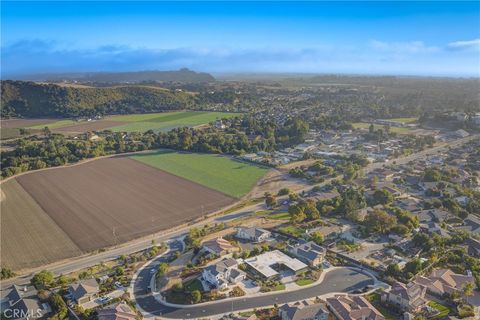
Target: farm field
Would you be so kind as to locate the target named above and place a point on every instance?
(10, 128)
(167, 120)
(110, 201)
(219, 173)
(24, 123)
(162, 121)
(8, 133)
(87, 126)
(364, 125)
(55, 124)
(29, 236)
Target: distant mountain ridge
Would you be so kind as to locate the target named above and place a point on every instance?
(182, 75)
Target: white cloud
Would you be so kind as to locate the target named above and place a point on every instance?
(465, 45)
(403, 47)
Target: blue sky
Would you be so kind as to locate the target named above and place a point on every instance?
(409, 38)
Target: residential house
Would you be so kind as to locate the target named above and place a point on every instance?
(410, 204)
(473, 247)
(84, 291)
(221, 273)
(395, 192)
(218, 246)
(470, 224)
(346, 307)
(253, 234)
(433, 227)
(23, 303)
(408, 297)
(266, 264)
(326, 195)
(304, 311)
(463, 201)
(309, 253)
(444, 281)
(118, 311)
(384, 174)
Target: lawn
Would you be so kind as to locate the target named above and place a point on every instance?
(443, 310)
(364, 125)
(262, 213)
(193, 285)
(293, 231)
(405, 120)
(279, 216)
(269, 214)
(167, 120)
(216, 172)
(304, 282)
(279, 287)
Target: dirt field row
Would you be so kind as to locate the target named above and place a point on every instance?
(114, 200)
(28, 235)
(22, 123)
(88, 126)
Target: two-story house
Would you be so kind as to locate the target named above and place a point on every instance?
(309, 253)
(84, 291)
(407, 297)
(253, 234)
(221, 273)
(304, 311)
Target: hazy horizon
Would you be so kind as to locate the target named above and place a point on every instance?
(360, 38)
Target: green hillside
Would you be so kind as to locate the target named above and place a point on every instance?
(29, 99)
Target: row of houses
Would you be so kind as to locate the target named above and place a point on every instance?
(22, 302)
(266, 266)
(411, 298)
(343, 307)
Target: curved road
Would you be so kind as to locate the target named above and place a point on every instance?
(339, 280)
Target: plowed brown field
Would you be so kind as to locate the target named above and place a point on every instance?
(29, 237)
(21, 123)
(109, 201)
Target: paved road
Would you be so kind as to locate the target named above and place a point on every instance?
(339, 280)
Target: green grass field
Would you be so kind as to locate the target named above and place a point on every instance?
(167, 120)
(405, 120)
(364, 125)
(216, 172)
(55, 125)
(292, 230)
(162, 121)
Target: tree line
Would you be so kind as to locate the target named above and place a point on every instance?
(51, 150)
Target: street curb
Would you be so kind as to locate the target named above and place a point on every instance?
(158, 296)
